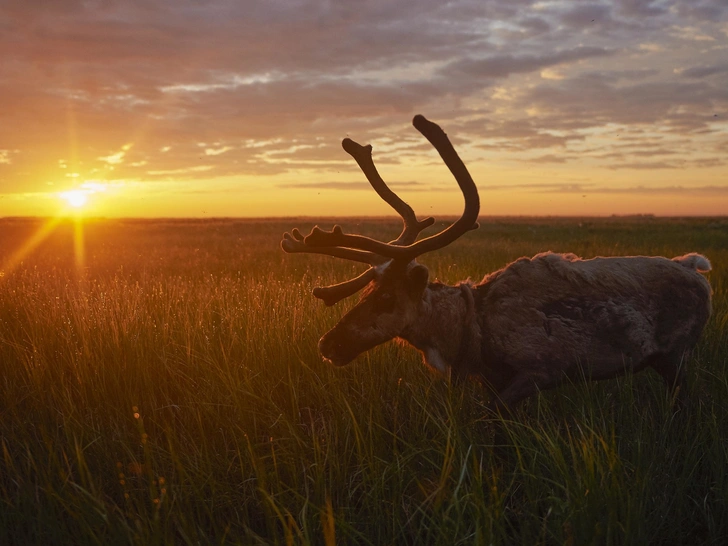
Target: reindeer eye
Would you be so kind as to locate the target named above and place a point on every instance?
(384, 303)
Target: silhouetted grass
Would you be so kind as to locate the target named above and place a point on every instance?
(169, 391)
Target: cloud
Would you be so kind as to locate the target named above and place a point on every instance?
(641, 8)
(502, 66)
(217, 151)
(691, 34)
(409, 186)
(594, 189)
(584, 15)
(116, 158)
(664, 190)
(645, 165)
(5, 157)
(183, 171)
(272, 87)
(551, 158)
(703, 71)
(590, 101)
(577, 188)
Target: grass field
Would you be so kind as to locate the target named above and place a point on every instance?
(160, 384)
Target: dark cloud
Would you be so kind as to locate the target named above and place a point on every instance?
(534, 26)
(704, 71)
(665, 190)
(594, 189)
(641, 8)
(589, 102)
(552, 158)
(502, 66)
(409, 186)
(644, 165)
(587, 15)
(701, 10)
(278, 84)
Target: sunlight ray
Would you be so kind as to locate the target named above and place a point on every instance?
(79, 249)
(17, 257)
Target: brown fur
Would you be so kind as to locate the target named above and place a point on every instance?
(537, 321)
(522, 329)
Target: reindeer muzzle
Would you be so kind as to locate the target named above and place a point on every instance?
(336, 350)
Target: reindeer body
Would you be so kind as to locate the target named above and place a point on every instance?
(540, 320)
(524, 328)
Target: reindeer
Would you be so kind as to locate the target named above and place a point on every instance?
(524, 328)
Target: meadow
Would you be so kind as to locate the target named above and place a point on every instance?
(160, 383)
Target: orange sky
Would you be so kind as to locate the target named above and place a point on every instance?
(226, 108)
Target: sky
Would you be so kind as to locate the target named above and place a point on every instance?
(176, 108)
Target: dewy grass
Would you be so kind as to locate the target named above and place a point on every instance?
(171, 392)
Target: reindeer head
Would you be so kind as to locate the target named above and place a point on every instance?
(395, 282)
(386, 309)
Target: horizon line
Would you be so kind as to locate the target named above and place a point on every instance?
(364, 217)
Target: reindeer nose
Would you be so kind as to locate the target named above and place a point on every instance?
(323, 346)
(327, 346)
(332, 349)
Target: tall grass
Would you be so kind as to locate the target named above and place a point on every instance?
(169, 391)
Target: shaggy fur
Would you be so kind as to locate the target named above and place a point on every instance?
(537, 321)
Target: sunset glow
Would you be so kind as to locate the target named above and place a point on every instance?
(557, 108)
(75, 198)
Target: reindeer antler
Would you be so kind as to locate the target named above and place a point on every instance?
(337, 292)
(367, 250)
(412, 227)
(410, 230)
(468, 220)
(293, 243)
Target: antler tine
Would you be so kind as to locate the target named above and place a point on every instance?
(410, 230)
(337, 292)
(293, 243)
(412, 227)
(469, 219)
(437, 137)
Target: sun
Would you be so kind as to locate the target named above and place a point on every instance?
(75, 198)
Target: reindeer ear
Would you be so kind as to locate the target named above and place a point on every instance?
(417, 278)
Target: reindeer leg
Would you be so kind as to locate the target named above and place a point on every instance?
(523, 385)
(505, 400)
(671, 368)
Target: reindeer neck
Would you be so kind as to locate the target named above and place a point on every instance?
(445, 326)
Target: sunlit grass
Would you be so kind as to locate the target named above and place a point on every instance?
(75, 200)
(14, 255)
(172, 394)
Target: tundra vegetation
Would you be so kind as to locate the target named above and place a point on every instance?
(165, 387)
